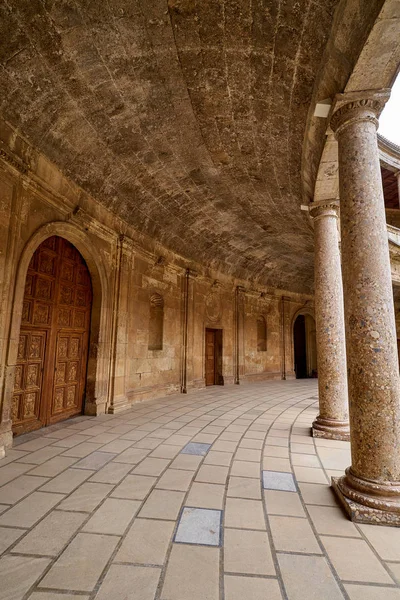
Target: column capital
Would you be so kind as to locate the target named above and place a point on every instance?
(324, 208)
(364, 106)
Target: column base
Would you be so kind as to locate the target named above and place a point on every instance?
(363, 508)
(119, 404)
(331, 429)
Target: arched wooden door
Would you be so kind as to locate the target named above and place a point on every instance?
(50, 373)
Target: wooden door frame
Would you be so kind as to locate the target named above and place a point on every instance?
(218, 376)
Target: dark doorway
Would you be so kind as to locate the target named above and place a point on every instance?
(300, 352)
(214, 357)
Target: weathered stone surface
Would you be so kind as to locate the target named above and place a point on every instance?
(332, 421)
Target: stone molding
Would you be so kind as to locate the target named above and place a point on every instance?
(324, 208)
(351, 107)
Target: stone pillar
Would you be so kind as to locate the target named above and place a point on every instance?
(118, 400)
(333, 420)
(370, 489)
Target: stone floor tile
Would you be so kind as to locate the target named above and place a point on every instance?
(87, 497)
(224, 446)
(277, 464)
(27, 512)
(15, 490)
(134, 487)
(242, 468)
(146, 542)
(165, 451)
(11, 455)
(364, 592)
(175, 479)
(230, 436)
(8, 536)
(292, 534)
(222, 459)
(40, 456)
(72, 441)
(278, 441)
(206, 495)
(67, 481)
(18, 574)
(302, 448)
(251, 444)
(335, 458)
(310, 475)
(273, 480)
(196, 448)
(36, 444)
(254, 588)
(205, 438)
(95, 461)
(282, 503)
(244, 514)
(395, 570)
(111, 473)
(11, 471)
(354, 560)
(178, 440)
(151, 466)
(55, 596)
(331, 520)
(82, 450)
(247, 454)
(212, 474)
(134, 436)
(81, 564)
(385, 540)
(247, 552)
(314, 493)
(162, 504)
(244, 487)
(255, 435)
(117, 446)
(199, 526)
(112, 517)
(50, 536)
(186, 462)
(132, 455)
(128, 581)
(192, 573)
(305, 460)
(308, 578)
(54, 466)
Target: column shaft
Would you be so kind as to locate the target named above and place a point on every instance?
(370, 490)
(332, 421)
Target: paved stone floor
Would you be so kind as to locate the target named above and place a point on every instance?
(216, 495)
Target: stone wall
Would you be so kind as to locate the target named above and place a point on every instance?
(127, 270)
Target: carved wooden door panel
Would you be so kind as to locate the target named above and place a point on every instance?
(51, 366)
(210, 357)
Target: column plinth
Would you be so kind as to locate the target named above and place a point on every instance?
(370, 489)
(332, 421)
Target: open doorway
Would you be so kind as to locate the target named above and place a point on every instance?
(304, 342)
(213, 357)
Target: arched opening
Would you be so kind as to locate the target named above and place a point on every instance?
(261, 334)
(52, 353)
(305, 347)
(156, 322)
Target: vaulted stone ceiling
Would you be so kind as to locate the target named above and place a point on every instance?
(186, 117)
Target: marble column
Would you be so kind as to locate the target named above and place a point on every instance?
(370, 489)
(333, 419)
